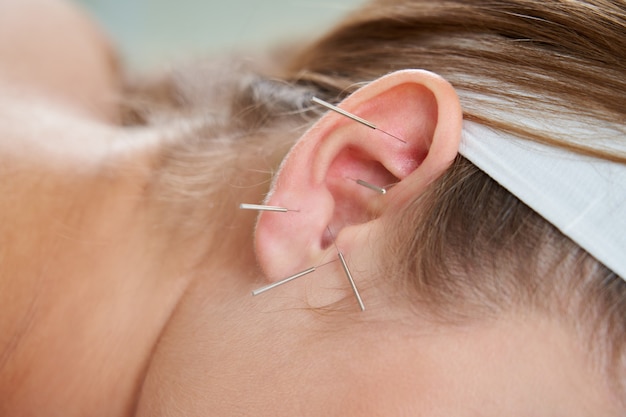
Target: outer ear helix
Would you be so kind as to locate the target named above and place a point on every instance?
(341, 175)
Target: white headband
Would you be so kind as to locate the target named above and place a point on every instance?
(584, 197)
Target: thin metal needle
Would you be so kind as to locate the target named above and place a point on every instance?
(260, 207)
(352, 284)
(353, 117)
(372, 187)
(347, 271)
(284, 281)
(290, 278)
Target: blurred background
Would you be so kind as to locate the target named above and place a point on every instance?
(151, 33)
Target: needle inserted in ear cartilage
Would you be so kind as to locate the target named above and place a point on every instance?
(353, 117)
(372, 187)
(288, 279)
(260, 207)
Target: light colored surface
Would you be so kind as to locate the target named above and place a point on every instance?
(154, 32)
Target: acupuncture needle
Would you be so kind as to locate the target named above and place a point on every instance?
(353, 117)
(260, 207)
(376, 188)
(290, 278)
(344, 265)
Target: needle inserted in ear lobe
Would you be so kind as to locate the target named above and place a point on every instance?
(352, 284)
(372, 187)
(288, 279)
(347, 272)
(260, 207)
(353, 117)
(284, 281)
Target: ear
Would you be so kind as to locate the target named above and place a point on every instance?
(318, 177)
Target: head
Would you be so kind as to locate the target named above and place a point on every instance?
(474, 303)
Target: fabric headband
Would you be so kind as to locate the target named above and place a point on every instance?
(584, 197)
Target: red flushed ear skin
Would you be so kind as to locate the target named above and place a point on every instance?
(318, 178)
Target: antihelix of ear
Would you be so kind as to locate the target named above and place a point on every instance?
(351, 116)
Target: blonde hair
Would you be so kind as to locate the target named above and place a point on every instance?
(466, 248)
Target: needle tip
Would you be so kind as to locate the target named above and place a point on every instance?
(393, 136)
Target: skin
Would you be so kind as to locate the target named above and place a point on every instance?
(106, 314)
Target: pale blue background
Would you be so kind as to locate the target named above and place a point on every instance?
(157, 32)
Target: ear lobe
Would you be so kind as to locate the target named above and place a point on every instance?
(319, 176)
